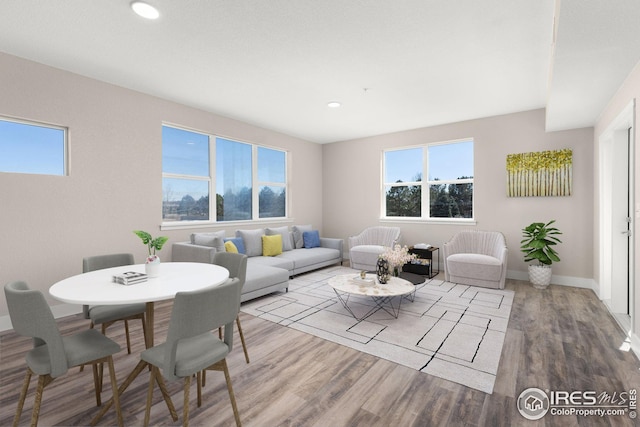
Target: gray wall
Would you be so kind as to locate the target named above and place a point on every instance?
(352, 182)
(114, 184)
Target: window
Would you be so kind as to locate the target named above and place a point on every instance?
(239, 168)
(446, 193)
(35, 148)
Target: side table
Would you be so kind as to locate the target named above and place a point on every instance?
(424, 264)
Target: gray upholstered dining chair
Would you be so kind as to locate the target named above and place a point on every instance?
(53, 354)
(191, 347)
(237, 266)
(107, 315)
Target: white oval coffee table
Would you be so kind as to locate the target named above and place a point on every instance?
(347, 285)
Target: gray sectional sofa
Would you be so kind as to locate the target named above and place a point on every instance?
(271, 260)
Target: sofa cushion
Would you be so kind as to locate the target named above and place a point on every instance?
(271, 261)
(272, 245)
(311, 239)
(287, 239)
(478, 266)
(262, 276)
(214, 240)
(297, 235)
(301, 258)
(237, 242)
(252, 241)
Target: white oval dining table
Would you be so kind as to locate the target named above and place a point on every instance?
(98, 288)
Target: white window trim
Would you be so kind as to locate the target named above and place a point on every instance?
(212, 222)
(424, 184)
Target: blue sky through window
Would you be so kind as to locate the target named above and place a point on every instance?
(446, 162)
(29, 148)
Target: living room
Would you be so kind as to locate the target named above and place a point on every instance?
(114, 182)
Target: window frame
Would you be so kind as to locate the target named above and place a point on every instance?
(212, 183)
(425, 187)
(65, 144)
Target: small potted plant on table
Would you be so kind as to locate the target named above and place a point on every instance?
(152, 262)
(537, 245)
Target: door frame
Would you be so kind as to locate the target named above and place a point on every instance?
(612, 135)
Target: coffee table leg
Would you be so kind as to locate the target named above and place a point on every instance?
(345, 304)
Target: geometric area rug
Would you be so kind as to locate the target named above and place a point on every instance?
(454, 332)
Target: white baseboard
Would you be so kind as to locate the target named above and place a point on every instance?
(635, 344)
(577, 282)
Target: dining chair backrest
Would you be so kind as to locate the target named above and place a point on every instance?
(31, 317)
(100, 262)
(235, 263)
(199, 312)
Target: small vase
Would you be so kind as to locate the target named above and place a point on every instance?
(152, 266)
(382, 270)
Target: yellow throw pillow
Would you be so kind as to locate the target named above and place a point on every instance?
(272, 245)
(230, 247)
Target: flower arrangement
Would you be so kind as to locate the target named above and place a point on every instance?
(397, 256)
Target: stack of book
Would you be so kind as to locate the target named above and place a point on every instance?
(130, 278)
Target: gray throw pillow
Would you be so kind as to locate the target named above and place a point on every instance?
(287, 242)
(252, 241)
(297, 234)
(214, 240)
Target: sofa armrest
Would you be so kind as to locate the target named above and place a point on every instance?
(328, 242)
(187, 252)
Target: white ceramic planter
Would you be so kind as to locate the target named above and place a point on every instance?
(540, 276)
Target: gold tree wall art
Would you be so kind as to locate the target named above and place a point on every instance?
(542, 173)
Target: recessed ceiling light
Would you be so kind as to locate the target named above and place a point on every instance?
(334, 104)
(145, 10)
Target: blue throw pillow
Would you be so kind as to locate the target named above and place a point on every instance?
(237, 241)
(311, 239)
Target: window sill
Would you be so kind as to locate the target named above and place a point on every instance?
(178, 225)
(443, 221)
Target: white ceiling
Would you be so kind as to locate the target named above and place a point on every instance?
(394, 65)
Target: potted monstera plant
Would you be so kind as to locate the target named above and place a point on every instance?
(152, 262)
(537, 245)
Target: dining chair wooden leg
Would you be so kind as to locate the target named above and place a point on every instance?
(126, 334)
(185, 407)
(147, 412)
(114, 389)
(244, 345)
(43, 381)
(232, 396)
(199, 381)
(97, 384)
(23, 395)
(166, 395)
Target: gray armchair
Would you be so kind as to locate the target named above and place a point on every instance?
(366, 246)
(477, 258)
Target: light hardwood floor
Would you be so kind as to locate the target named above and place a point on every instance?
(558, 339)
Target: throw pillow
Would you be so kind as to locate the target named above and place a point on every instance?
(287, 243)
(204, 239)
(272, 245)
(311, 239)
(252, 241)
(297, 234)
(214, 240)
(230, 247)
(237, 242)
